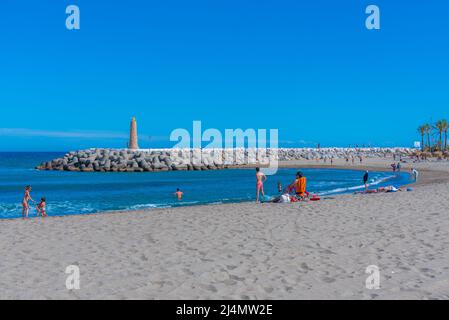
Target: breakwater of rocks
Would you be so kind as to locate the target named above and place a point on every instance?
(117, 160)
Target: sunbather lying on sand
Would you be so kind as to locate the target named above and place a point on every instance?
(388, 189)
(283, 198)
(380, 190)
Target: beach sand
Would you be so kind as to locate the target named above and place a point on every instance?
(308, 250)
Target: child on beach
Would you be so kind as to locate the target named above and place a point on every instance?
(25, 204)
(260, 179)
(42, 208)
(279, 187)
(179, 194)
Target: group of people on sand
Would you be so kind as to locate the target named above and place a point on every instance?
(298, 186)
(380, 190)
(353, 159)
(41, 208)
(414, 172)
(396, 167)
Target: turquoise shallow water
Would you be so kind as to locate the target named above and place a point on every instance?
(71, 193)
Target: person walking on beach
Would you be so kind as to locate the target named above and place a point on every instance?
(365, 179)
(398, 167)
(179, 194)
(260, 179)
(25, 202)
(415, 174)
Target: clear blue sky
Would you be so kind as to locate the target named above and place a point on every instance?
(308, 68)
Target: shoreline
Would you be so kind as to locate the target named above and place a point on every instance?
(430, 176)
(427, 177)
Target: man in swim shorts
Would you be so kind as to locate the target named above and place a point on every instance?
(365, 179)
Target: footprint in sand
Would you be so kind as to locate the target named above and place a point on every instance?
(305, 267)
(149, 238)
(143, 257)
(328, 279)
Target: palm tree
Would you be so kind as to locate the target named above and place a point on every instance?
(441, 126)
(445, 130)
(428, 130)
(422, 131)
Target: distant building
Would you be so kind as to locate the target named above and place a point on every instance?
(133, 137)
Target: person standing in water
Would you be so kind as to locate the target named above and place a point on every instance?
(25, 205)
(365, 179)
(179, 194)
(260, 179)
(42, 208)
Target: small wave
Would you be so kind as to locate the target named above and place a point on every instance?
(142, 206)
(161, 205)
(373, 182)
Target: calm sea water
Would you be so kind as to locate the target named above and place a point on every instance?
(71, 193)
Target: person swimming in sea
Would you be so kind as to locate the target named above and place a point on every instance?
(25, 202)
(179, 194)
(260, 179)
(42, 208)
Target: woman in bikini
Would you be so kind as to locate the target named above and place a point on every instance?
(260, 179)
(26, 199)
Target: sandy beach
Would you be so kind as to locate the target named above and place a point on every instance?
(242, 251)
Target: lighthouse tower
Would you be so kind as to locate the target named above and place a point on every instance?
(133, 139)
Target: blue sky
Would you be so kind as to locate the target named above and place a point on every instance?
(308, 68)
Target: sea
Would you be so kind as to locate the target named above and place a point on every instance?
(75, 193)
